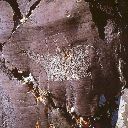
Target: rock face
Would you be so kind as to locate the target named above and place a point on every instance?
(74, 49)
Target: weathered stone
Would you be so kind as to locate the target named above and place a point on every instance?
(59, 43)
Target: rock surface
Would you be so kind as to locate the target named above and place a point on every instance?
(69, 51)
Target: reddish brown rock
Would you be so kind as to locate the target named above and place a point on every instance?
(60, 45)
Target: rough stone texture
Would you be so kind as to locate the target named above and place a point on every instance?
(6, 21)
(55, 44)
(111, 20)
(122, 113)
(60, 44)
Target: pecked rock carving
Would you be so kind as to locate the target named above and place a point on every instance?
(63, 63)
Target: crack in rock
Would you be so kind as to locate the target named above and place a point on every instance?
(18, 17)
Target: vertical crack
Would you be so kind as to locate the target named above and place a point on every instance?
(33, 8)
(22, 19)
(17, 14)
(18, 17)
